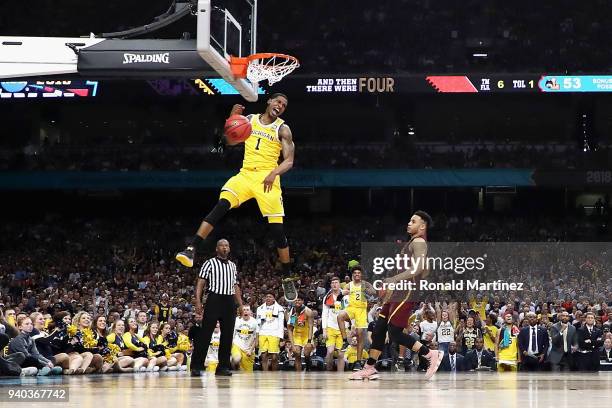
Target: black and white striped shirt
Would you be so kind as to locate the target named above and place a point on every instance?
(220, 275)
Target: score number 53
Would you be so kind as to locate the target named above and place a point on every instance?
(572, 83)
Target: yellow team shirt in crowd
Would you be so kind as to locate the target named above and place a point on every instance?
(509, 354)
(480, 307)
(489, 336)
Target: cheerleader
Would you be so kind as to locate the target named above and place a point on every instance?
(183, 344)
(116, 345)
(155, 350)
(74, 339)
(137, 348)
(42, 339)
(86, 343)
(169, 339)
(64, 341)
(108, 352)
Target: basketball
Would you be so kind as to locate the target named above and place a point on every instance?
(237, 128)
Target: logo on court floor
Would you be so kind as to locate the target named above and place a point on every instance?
(161, 58)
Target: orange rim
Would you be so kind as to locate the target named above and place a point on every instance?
(239, 65)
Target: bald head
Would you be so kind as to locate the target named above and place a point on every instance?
(223, 248)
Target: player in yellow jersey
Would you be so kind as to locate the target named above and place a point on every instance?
(258, 178)
(332, 306)
(351, 355)
(245, 340)
(506, 346)
(357, 309)
(299, 329)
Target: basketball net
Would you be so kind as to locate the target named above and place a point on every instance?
(264, 66)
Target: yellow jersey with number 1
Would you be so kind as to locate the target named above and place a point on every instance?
(263, 148)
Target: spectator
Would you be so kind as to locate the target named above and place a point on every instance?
(606, 352)
(490, 332)
(564, 343)
(590, 339)
(141, 320)
(533, 344)
(131, 312)
(163, 309)
(23, 343)
(43, 343)
(506, 345)
(429, 323)
(479, 357)
(468, 335)
(445, 331)
(453, 361)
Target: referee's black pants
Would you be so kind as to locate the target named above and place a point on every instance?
(223, 309)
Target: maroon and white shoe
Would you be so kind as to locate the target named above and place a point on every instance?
(368, 372)
(435, 358)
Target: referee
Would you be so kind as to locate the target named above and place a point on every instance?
(219, 275)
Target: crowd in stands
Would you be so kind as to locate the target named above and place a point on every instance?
(81, 296)
(438, 36)
(403, 38)
(319, 156)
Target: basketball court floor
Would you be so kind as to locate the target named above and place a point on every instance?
(316, 389)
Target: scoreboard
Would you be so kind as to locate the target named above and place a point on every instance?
(471, 83)
(308, 85)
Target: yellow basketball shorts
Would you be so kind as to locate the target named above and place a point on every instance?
(300, 338)
(334, 338)
(269, 344)
(246, 362)
(249, 184)
(359, 315)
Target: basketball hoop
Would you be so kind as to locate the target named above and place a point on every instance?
(262, 66)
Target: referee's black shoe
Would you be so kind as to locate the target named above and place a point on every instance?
(196, 373)
(186, 257)
(223, 372)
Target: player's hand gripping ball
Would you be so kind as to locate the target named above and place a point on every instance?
(237, 129)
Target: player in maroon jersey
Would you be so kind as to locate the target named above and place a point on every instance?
(396, 307)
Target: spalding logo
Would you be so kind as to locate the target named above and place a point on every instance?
(162, 58)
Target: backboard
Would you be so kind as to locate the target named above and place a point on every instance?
(224, 28)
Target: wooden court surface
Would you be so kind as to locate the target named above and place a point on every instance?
(317, 389)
